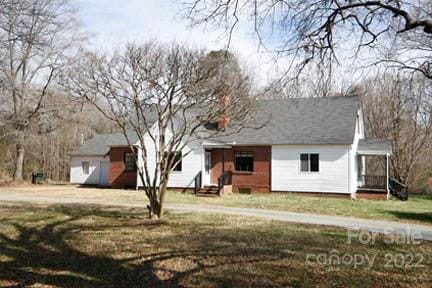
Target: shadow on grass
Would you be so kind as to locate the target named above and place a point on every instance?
(425, 217)
(44, 255)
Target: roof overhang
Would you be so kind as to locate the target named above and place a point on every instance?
(87, 155)
(216, 144)
(374, 147)
(373, 152)
(123, 145)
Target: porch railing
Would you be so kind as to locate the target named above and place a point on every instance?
(223, 180)
(398, 189)
(373, 181)
(197, 182)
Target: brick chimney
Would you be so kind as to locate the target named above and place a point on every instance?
(223, 118)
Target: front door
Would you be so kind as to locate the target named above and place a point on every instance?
(207, 168)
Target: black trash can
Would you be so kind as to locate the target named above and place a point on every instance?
(37, 177)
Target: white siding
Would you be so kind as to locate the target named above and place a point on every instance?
(333, 172)
(76, 172)
(191, 164)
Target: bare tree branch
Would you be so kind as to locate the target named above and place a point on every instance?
(319, 29)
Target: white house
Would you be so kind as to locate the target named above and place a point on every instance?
(308, 145)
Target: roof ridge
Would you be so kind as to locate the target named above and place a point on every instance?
(309, 98)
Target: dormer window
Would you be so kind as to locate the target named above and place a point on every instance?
(211, 125)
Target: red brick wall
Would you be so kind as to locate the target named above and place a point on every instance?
(118, 177)
(257, 181)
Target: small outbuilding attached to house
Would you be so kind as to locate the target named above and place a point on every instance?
(100, 162)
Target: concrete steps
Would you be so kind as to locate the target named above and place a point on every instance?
(208, 191)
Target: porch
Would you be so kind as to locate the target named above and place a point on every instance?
(373, 168)
(213, 180)
(374, 173)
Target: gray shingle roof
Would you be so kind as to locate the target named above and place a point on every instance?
(99, 144)
(329, 120)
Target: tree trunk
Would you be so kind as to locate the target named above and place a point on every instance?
(154, 207)
(19, 164)
(161, 199)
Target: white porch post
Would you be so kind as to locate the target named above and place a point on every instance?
(203, 155)
(362, 168)
(387, 175)
(363, 160)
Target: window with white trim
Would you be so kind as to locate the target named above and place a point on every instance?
(309, 162)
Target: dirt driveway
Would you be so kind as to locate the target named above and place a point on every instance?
(73, 191)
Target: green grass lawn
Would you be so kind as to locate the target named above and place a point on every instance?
(90, 246)
(418, 209)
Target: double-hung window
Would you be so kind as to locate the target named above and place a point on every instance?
(129, 161)
(244, 161)
(309, 162)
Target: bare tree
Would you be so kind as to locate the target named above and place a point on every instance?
(53, 137)
(411, 51)
(37, 39)
(399, 108)
(169, 97)
(319, 29)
